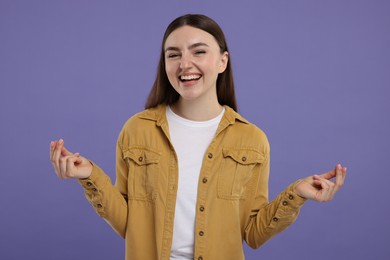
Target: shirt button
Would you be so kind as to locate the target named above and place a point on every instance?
(89, 183)
(99, 205)
(200, 258)
(243, 158)
(204, 180)
(201, 233)
(201, 208)
(94, 189)
(285, 203)
(140, 159)
(291, 197)
(210, 155)
(275, 219)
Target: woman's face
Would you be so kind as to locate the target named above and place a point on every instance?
(193, 61)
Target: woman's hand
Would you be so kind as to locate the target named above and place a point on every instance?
(67, 164)
(320, 187)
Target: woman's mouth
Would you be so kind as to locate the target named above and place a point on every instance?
(184, 78)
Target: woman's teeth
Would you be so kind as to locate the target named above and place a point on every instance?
(189, 77)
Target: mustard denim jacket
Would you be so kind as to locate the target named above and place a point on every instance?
(232, 200)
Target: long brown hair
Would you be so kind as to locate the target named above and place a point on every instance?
(163, 93)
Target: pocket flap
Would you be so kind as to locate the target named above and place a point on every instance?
(243, 156)
(142, 156)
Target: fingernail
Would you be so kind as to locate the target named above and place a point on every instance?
(51, 143)
(61, 141)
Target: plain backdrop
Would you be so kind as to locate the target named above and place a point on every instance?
(314, 75)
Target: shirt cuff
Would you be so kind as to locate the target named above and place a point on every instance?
(96, 181)
(291, 198)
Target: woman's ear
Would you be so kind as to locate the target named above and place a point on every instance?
(223, 62)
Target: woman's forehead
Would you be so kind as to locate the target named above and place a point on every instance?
(186, 36)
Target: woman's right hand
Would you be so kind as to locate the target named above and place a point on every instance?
(67, 164)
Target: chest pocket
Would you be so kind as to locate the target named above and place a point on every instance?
(236, 170)
(143, 172)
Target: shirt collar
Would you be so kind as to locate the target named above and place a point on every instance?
(158, 114)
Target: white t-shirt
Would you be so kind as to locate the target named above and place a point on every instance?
(190, 140)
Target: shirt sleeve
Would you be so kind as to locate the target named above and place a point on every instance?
(266, 219)
(108, 200)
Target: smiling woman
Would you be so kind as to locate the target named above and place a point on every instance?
(192, 174)
(162, 92)
(193, 62)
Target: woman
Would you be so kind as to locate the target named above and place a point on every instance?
(192, 174)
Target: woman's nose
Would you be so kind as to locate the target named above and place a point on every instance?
(185, 62)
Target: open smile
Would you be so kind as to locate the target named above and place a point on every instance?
(184, 78)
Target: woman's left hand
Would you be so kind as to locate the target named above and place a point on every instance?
(320, 187)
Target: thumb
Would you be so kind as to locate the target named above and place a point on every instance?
(65, 152)
(78, 159)
(328, 175)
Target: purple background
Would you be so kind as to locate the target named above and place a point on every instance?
(314, 75)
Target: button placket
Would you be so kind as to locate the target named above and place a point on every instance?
(200, 219)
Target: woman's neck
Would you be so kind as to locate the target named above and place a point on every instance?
(195, 110)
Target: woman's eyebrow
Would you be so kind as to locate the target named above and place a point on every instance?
(192, 46)
(198, 44)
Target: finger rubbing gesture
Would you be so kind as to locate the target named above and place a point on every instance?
(320, 187)
(67, 164)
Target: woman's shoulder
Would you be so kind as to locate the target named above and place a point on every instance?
(244, 134)
(243, 125)
(141, 126)
(145, 117)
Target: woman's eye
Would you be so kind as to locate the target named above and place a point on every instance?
(200, 52)
(172, 55)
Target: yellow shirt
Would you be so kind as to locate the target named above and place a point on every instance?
(232, 201)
